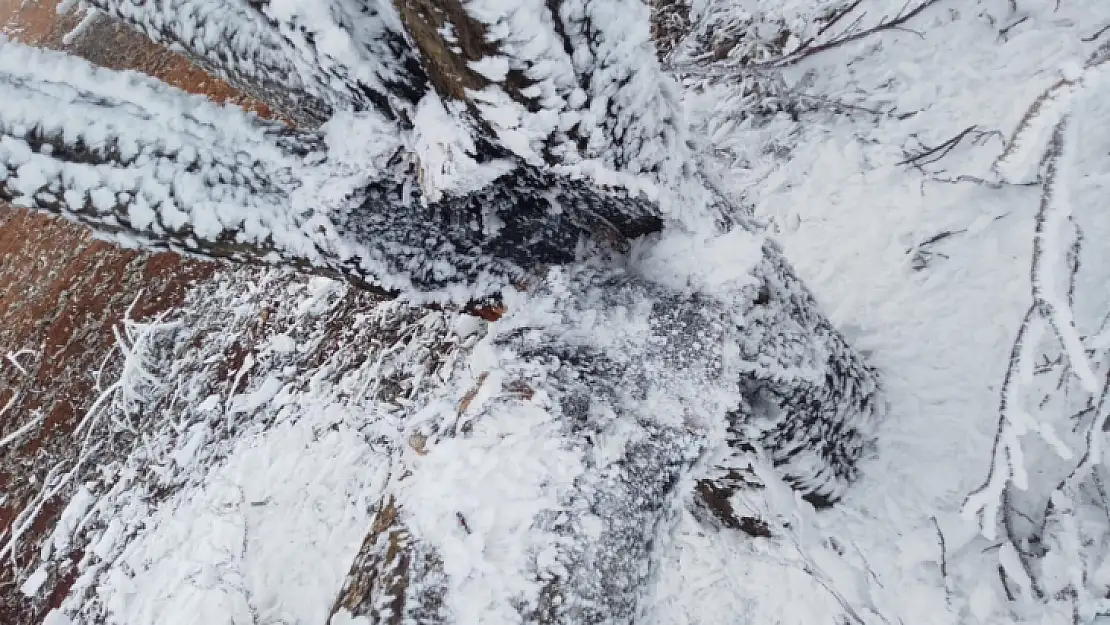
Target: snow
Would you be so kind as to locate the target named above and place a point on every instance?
(231, 545)
(445, 152)
(33, 582)
(278, 481)
(847, 216)
(727, 261)
(57, 617)
(278, 536)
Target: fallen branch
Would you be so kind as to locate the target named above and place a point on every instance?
(943, 562)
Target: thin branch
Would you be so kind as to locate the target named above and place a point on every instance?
(943, 562)
(1011, 536)
(1005, 32)
(895, 23)
(23, 429)
(990, 184)
(1096, 35)
(931, 154)
(836, 17)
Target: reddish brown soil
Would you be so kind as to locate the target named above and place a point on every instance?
(61, 293)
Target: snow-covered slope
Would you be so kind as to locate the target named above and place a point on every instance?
(245, 497)
(932, 279)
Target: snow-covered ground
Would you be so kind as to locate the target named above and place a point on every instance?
(246, 502)
(938, 320)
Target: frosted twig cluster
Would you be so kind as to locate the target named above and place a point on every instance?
(1046, 131)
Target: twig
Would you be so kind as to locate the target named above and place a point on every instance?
(13, 357)
(1047, 365)
(1079, 416)
(1005, 32)
(1093, 454)
(834, 103)
(990, 184)
(26, 427)
(929, 155)
(1100, 485)
(1006, 584)
(845, 37)
(940, 236)
(837, 16)
(1096, 35)
(1074, 253)
(8, 406)
(943, 562)
(1011, 536)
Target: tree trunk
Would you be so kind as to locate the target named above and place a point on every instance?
(146, 165)
(540, 488)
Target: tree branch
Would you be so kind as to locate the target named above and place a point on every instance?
(165, 170)
(811, 49)
(333, 55)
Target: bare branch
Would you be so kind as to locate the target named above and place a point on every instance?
(850, 35)
(943, 562)
(1094, 36)
(928, 155)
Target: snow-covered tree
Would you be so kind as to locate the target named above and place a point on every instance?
(449, 152)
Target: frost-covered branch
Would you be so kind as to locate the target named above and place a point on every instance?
(559, 82)
(1024, 151)
(733, 48)
(854, 33)
(306, 58)
(144, 164)
(1049, 309)
(1062, 572)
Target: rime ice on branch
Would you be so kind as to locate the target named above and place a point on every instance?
(145, 164)
(307, 59)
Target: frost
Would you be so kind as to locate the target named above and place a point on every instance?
(493, 68)
(446, 152)
(57, 617)
(343, 617)
(283, 343)
(67, 525)
(690, 261)
(34, 582)
(263, 396)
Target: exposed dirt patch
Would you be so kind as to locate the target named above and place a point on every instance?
(61, 294)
